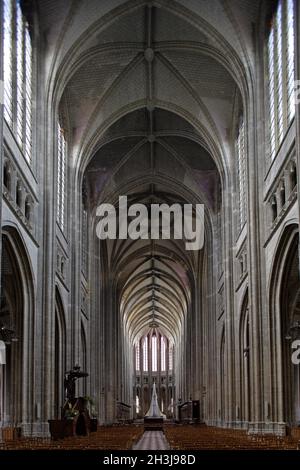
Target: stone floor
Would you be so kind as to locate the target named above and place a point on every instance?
(152, 440)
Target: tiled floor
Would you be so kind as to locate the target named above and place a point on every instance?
(152, 440)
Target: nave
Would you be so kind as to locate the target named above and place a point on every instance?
(138, 106)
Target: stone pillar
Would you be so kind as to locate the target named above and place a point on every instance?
(297, 96)
(255, 233)
(229, 379)
(46, 326)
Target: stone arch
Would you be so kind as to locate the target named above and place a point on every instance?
(83, 359)
(17, 319)
(59, 353)
(244, 346)
(284, 313)
(222, 410)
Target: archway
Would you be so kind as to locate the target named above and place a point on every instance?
(83, 360)
(16, 319)
(222, 377)
(284, 317)
(245, 362)
(60, 353)
(290, 318)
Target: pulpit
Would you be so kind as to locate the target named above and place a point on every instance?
(75, 418)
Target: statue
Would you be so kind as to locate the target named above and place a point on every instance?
(70, 379)
(154, 411)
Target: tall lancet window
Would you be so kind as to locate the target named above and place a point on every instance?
(163, 353)
(280, 73)
(145, 354)
(240, 151)
(137, 356)
(170, 358)
(84, 244)
(17, 68)
(8, 60)
(154, 352)
(61, 177)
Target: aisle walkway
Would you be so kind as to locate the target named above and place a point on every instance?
(152, 440)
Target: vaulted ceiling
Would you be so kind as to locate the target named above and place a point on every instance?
(103, 58)
(153, 156)
(147, 93)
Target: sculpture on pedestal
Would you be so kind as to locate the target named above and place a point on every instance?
(154, 410)
(153, 420)
(70, 380)
(75, 417)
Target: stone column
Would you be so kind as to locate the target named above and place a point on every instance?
(255, 224)
(229, 379)
(297, 96)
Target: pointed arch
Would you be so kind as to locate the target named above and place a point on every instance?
(222, 376)
(83, 358)
(284, 292)
(17, 318)
(59, 353)
(244, 345)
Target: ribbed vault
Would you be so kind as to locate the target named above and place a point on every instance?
(153, 67)
(153, 156)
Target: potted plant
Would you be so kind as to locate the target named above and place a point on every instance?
(90, 405)
(70, 412)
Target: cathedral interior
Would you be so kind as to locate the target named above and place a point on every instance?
(165, 102)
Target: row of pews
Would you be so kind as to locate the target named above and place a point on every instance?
(201, 437)
(106, 438)
(180, 437)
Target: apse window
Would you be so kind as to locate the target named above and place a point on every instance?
(154, 348)
(145, 354)
(17, 72)
(154, 353)
(280, 73)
